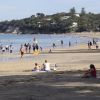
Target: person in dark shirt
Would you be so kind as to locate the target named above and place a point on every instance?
(91, 72)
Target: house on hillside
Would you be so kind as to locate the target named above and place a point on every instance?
(64, 17)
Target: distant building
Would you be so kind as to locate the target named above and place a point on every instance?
(48, 19)
(78, 15)
(9, 30)
(16, 30)
(12, 29)
(53, 23)
(39, 22)
(74, 24)
(64, 17)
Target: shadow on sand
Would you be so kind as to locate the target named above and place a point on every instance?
(63, 85)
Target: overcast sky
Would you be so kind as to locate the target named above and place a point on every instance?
(18, 9)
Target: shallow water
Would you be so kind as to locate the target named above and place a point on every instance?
(44, 41)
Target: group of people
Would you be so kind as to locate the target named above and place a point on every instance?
(44, 67)
(6, 48)
(93, 43)
(27, 47)
(90, 73)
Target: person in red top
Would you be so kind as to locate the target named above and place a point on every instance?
(91, 72)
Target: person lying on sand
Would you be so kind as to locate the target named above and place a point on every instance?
(91, 72)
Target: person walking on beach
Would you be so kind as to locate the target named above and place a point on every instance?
(54, 45)
(26, 47)
(35, 41)
(37, 47)
(3, 49)
(22, 51)
(11, 48)
(69, 43)
(33, 46)
(29, 48)
(7, 48)
(61, 42)
(89, 44)
(94, 42)
(97, 46)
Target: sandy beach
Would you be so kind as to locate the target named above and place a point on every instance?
(77, 57)
(18, 82)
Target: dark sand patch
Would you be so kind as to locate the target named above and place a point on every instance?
(63, 85)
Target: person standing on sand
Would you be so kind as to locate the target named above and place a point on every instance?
(88, 45)
(69, 43)
(21, 51)
(3, 49)
(61, 42)
(35, 41)
(94, 42)
(54, 45)
(29, 48)
(11, 48)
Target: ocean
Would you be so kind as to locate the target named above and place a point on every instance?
(44, 40)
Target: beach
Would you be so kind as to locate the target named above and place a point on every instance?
(19, 82)
(76, 57)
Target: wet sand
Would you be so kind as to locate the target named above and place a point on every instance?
(73, 58)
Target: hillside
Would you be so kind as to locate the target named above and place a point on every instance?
(56, 23)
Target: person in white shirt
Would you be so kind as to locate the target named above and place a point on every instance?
(46, 66)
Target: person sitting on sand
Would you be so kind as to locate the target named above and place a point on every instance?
(91, 72)
(36, 68)
(46, 66)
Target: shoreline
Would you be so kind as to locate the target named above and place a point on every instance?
(19, 82)
(65, 58)
(88, 34)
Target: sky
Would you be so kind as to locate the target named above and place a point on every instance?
(19, 9)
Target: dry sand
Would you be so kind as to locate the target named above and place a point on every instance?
(18, 82)
(73, 58)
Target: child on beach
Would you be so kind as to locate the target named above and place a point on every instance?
(36, 68)
(90, 73)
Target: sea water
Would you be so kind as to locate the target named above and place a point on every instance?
(44, 41)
